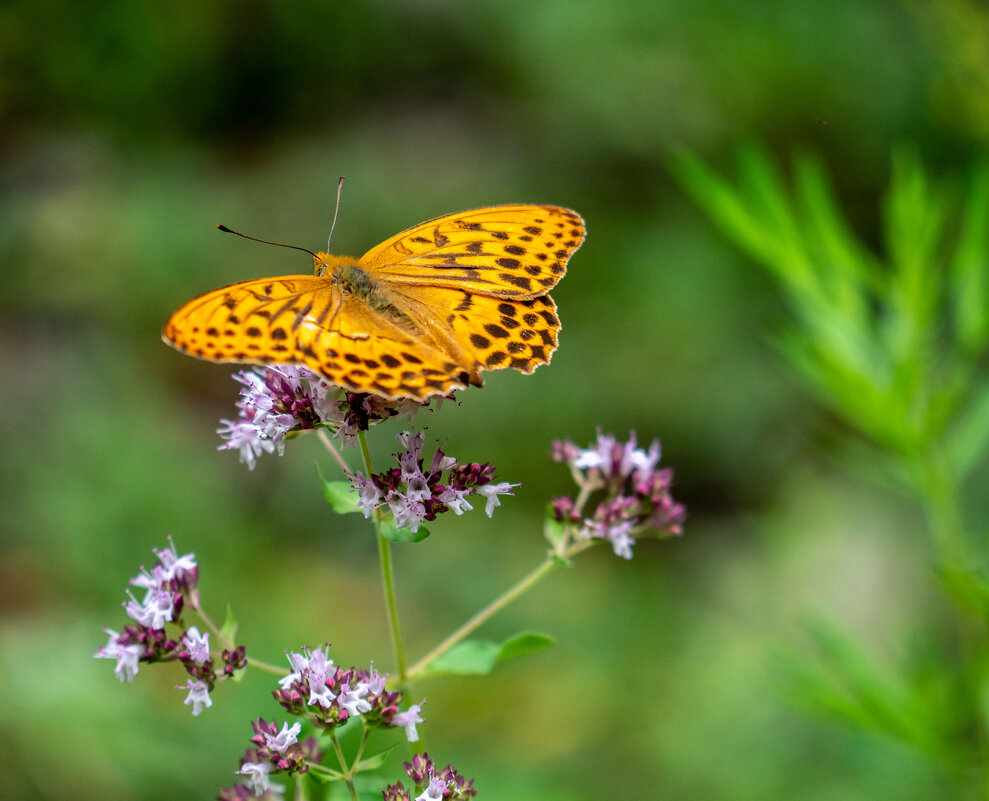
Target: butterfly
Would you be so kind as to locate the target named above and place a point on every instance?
(421, 314)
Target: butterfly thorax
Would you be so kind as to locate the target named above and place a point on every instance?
(346, 273)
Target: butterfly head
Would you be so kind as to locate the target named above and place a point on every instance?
(321, 262)
(326, 264)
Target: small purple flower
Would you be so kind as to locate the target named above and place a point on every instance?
(407, 513)
(455, 500)
(198, 695)
(352, 699)
(609, 458)
(257, 774)
(491, 492)
(409, 718)
(311, 668)
(170, 587)
(375, 682)
(127, 656)
(156, 610)
(197, 644)
(413, 445)
(286, 737)
(243, 436)
(435, 791)
(619, 535)
(174, 568)
(280, 748)
(329, 696)
(369, 496)
(395, 792)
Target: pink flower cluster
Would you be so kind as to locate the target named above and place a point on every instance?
(414, 494)
(635, 499)
(329, 695)
(279, 400)
(169, 587)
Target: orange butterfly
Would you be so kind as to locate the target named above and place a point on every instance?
(421, 314)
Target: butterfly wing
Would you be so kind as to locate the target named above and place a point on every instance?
(512, 251)
(306, 320)
(490, 333)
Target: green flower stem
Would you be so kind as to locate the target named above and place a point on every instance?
(274, 670)
(226, 643)
(325, 772)
(388, 582)
(301, 789)
(347, 769)
(365, 733)
(211, 625)
(387, 579)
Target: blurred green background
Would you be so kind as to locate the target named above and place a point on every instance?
(128, 130)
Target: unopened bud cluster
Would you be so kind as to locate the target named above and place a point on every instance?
(430, 783)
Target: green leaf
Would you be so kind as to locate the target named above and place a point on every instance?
(525, 642)
(469, 658)
(393, 534)
(968, 267)
(478, 657)
(968, 590)
(966, 443)
(228, 631)
(374, 761)
(843, 683)
(321, 778)
(554, 531)
(338, 790)
(723, 204)
(339, 495)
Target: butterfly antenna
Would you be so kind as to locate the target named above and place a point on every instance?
(265, 241)
(335, 212)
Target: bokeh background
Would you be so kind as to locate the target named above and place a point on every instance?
(128, 130)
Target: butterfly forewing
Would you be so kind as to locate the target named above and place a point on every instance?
(512, 251)
(253, 321)
(306, 320)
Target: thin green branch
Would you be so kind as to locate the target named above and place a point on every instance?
(345, 767)
(513, 593)
(387, 577)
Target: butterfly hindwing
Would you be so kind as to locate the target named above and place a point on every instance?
(492, 333)
(365, 350)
